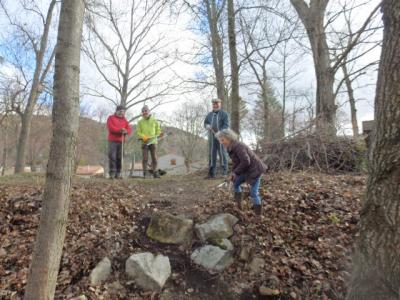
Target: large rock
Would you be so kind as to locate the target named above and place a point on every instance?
(170, 229)
(217, 227)
(101, 272)
(149, 272)
(256, 265)
(224, 244)
(212, 258)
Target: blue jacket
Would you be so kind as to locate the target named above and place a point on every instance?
(218, 120)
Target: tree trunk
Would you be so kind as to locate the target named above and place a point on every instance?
(216, 50)
(23, 138)
(376, 270)
(352, 101)
(38, 78)
(312, 17)
(46, 258)
(235, 99)
(5, 146)
(284, 93)
(266, 116)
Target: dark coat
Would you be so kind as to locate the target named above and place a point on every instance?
(246, 162)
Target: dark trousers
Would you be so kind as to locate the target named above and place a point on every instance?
(217, 150)
(114, 157)
(145, 154)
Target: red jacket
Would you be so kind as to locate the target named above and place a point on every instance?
(114, 126)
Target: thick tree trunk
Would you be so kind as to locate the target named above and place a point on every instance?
(38, 77)
(352, 101)
(325, 98)
(46, 258)
(376, 270)
(312, 17)
(235, 99)
(217, 51)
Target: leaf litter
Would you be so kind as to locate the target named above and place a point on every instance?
(305, 237)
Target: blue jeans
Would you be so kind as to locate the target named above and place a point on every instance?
(216, 149)
(254, 194)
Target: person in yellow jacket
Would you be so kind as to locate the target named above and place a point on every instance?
(149, 130)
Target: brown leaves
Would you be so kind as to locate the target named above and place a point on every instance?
(305, 236)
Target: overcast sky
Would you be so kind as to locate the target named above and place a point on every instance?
(184, 40)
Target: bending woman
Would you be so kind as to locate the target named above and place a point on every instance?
(247, 167)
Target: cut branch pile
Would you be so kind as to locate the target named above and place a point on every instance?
(321, 153)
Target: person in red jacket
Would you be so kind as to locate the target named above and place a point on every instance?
(118, 128)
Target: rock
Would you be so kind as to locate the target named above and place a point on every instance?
(273, 281)
(149, 272)
(3, 252)
(81, 297)
(101, 272)
(170, 229)
(245, 253)
(217, 227)
(266, 291)
(115, 287)
(212, 258)
(166, 295)
(224, 244)
(256, 265)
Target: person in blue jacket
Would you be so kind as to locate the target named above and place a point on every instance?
(214, 122)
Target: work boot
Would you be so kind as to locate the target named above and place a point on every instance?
(112, 176)
(156, 175)
(210, 177)
(257, 208)
(145, 174)
(238, 199)
(118, 176)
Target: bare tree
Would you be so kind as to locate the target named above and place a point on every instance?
(312, 16)
(190, 120)
(11, 95)
(234, 96)
(213, 12)
(46, 258)
(262, 34)
(38, 43)
(128, 53)
(214, 15)
(352, 67)
(376, 270)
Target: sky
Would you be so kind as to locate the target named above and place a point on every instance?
(183, 40)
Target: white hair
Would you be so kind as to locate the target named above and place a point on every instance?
(228, 134)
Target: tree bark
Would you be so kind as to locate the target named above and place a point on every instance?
(46, 258)
(352, 101)
(5, 147)
(235, 99)
(26, 117)
(376, 269)
(217, 51)
(312, 17)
